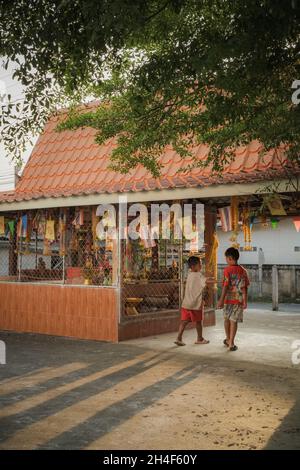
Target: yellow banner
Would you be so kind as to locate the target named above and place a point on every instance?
(50, 234)
(2, 225)
(275, 206)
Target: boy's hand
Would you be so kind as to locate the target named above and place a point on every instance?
(205, 295)
(245, 305)
(220, 304)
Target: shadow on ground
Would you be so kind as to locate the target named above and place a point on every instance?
(101, 367)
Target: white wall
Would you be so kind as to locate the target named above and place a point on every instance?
(277, 244)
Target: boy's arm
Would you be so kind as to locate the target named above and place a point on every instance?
(245, 291)
(245, 297)
(222, 298)
(220, 304)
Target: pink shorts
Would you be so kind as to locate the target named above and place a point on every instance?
(191, 315)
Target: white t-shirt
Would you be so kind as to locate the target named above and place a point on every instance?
(194, 287)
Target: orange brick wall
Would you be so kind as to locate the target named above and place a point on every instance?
(81, 312)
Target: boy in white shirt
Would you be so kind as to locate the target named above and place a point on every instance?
(192, 307)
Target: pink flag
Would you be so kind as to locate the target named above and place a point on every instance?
(226, 218)
(296, 221)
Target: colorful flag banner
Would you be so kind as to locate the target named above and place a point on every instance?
(226, 218)
(2, 225)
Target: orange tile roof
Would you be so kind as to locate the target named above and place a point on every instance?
(71, 163)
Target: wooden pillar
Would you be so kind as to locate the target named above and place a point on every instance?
(13, 255)
(210, 215)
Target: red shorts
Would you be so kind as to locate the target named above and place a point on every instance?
(191, 315)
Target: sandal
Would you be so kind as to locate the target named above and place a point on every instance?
(225, 342)
(179, 343)
(233, 348)
(203, 341)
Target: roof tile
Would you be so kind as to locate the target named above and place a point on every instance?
(72, 163)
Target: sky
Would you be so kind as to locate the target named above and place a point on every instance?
(14, 88)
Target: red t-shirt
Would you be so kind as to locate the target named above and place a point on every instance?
(236, 279)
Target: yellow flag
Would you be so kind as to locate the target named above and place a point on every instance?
(50, 234)
(2, 225)
(275, 206)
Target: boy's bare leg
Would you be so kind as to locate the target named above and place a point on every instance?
(233, 330)
(182, 327)
(200, 339)
(227, 329)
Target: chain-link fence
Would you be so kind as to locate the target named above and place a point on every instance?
(56, 246)
(62, 246)
(151, 277)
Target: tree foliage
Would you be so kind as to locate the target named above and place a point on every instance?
(175, 72)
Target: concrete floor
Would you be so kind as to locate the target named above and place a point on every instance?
(265, 337)
(59, 393)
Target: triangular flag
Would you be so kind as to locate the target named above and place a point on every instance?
(2, 225)
(296, 221)
(275, 206)
(11, 226)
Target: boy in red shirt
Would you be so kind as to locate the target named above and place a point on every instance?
(234, 296)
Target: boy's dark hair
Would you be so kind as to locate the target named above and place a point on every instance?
(193, 261)
(233, 253)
